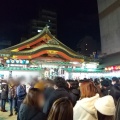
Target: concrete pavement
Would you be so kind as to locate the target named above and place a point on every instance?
(5, 115)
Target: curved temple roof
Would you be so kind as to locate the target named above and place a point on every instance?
(43, 43)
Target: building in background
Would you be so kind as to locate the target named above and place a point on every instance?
(46, 17)
(109, 14)
(109, 17)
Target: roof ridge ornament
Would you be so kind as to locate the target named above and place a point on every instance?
(46, 29)
(53, 42)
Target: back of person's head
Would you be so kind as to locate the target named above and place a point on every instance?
(102, 79)
(104, 117)
(105, 83)
(115, 80)
(110, 81)
(62, 109)
(49, 83)
(97, 82)
(105, 107)
(60, 82)
(34, 98)
(74, 85)
(88, 89)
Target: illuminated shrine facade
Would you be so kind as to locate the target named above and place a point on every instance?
(46, 54)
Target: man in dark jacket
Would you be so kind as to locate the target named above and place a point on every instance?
(21, 93)
(113, 90)
(60, 91)
(75, 95)
(105, 87)
(4, 96)
(117, 113)
(47, 92)
(115, 81)
(74, 91)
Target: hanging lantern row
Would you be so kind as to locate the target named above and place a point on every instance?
(112, 68)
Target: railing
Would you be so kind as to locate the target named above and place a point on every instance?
(39, 69)
(84, 70)
(19, 69)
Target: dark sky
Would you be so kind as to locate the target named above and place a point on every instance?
(76, 19)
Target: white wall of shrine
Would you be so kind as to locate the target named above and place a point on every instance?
(30, 75)
(16, 74)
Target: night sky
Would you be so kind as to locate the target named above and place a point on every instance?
(76, 19)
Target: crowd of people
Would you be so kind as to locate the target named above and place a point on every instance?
(61, 99)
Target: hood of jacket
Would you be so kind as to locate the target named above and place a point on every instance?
(26, 112)
(88, 104)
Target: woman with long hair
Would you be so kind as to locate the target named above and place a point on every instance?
(84, 108)
(62, 109)
(30, 109)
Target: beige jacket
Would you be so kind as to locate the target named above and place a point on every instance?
(85, 110)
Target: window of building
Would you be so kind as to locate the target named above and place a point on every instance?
(48, 26)
(39, 30)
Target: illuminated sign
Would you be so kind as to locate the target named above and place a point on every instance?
(112, 68)
(12, 61)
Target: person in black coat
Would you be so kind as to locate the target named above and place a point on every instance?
(30, 109)
(47, 92)
(115, 81)
(4, 96)
(105, 87)
(74, 91)
(117, 113)
(59, 92)
(21, 93)
(49, 88)
(115, 92)
(75, 95)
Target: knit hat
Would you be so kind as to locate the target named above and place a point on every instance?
(105, 105)
(115, 79)
(39, 85)
(105, 83)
